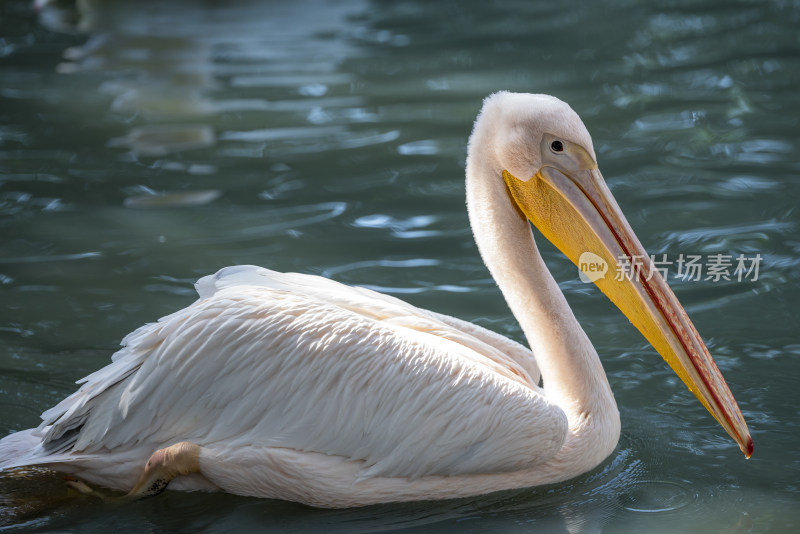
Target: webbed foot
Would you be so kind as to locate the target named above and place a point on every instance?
(84, 489)
(164, 465)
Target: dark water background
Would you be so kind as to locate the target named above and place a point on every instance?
(146, 144)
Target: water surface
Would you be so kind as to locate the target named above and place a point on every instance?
(146, 144)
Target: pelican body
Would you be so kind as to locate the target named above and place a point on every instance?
(296, 387)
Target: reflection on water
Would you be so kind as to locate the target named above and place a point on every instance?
(146, 144)
(161, 140)
(152, 199)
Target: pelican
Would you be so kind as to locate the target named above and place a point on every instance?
(296, 387)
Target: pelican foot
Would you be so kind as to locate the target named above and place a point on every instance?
(164, 465)
(84, 489)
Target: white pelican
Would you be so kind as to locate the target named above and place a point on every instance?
(296, 387)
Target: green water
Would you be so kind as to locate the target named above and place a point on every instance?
(146, 144)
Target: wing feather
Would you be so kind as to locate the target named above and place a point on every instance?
(302, 362)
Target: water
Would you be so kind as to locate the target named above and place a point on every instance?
(143, 145)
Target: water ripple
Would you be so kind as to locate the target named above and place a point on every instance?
(409, 228)
(283, 220)
(296, 80)
(168, 199)
(53, 258)
(427, 147)
(160, 140)
(653, 496)
(750, 231)
(284, 141)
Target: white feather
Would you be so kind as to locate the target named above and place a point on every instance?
(305, 363)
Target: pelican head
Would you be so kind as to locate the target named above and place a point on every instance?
(550, 170)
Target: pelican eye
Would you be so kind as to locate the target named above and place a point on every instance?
(557, 146)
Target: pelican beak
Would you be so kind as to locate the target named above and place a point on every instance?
(569, 202)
